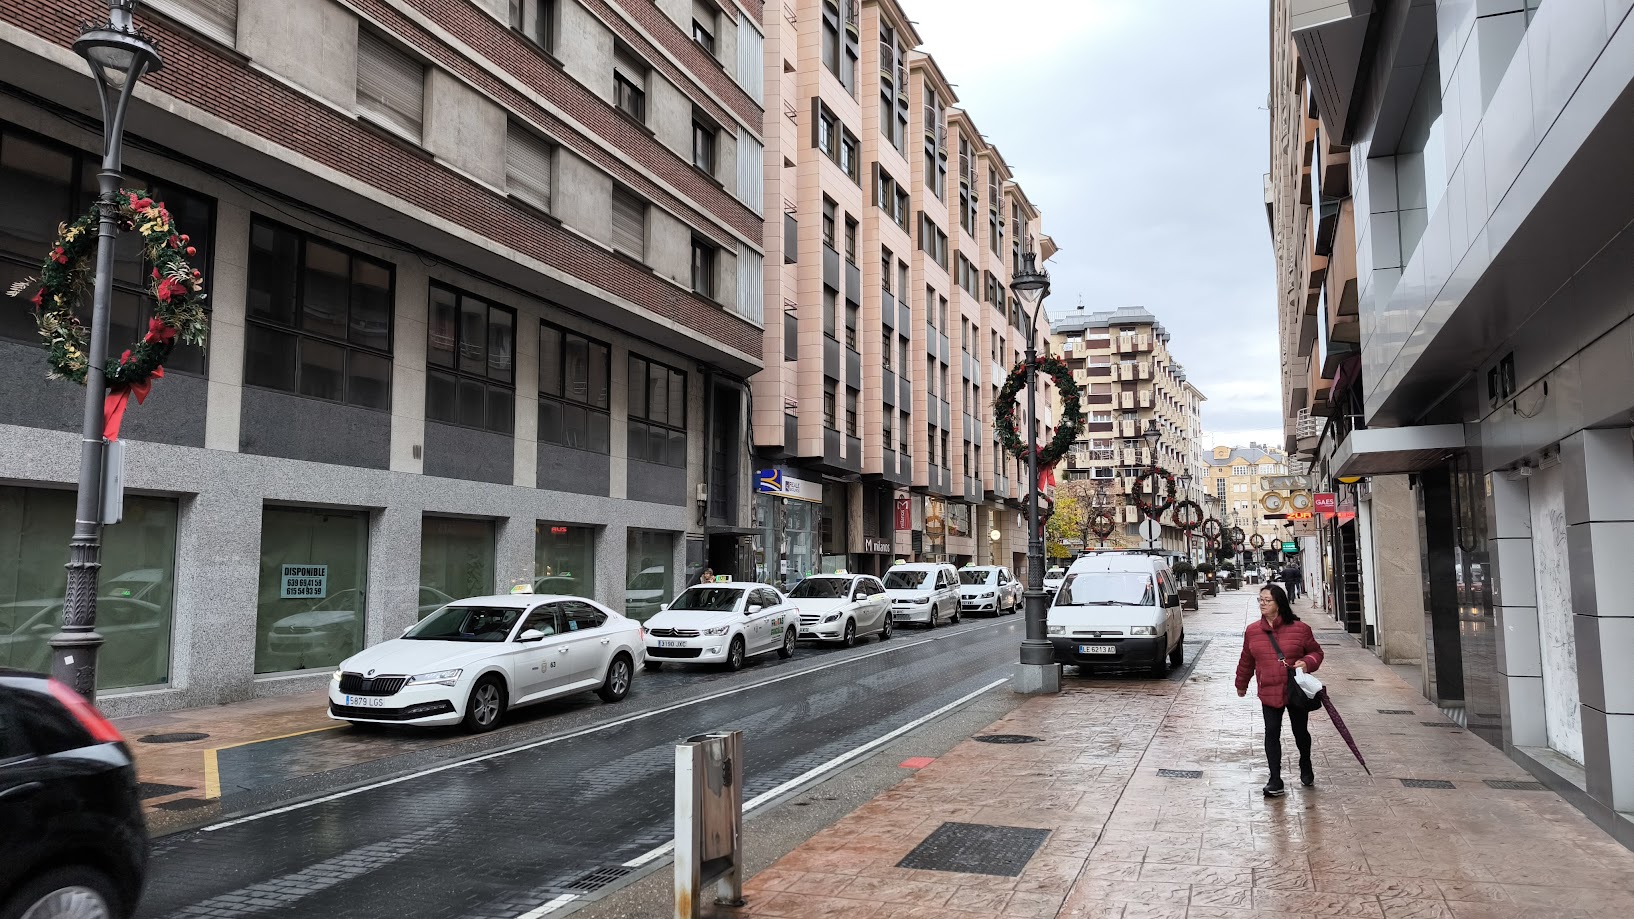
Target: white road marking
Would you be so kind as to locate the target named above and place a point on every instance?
(550, 906)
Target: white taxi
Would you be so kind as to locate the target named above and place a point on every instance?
(470, 661)
(722, 623)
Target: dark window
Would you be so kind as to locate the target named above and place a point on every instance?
(535, 19)
(704, 34)
(849, 161)
(885, 260)
(703, 268)
(575, 374)
(704, 137)
(44, 184)
(850, 240)
(791, 336)
(885, 351)
(850, 412)
(829, 308)
(828, 405)
(658, 425)
(851, 325)
(470, 362)
(630, 84)
(582, 616)
(319, 319)
(828, 222)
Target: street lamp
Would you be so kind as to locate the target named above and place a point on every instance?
(118, 54)
(1037, 671)
(1184, 480)
(1152, 437)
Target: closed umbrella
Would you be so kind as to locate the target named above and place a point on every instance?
(1339, 725)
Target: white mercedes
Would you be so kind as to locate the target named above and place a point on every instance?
(723, 623)
(474, 659)
(842, 608)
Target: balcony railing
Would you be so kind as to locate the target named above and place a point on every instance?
(1307, 425)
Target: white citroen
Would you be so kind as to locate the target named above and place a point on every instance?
(722, 623)
(470, 661)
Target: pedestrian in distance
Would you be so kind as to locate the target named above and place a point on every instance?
(1290, 581)
(1276, 646)
(708, 577)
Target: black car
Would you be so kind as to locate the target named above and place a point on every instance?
(74, 844)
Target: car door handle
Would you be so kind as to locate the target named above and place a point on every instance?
(606, 641)
(25, 790)
(561, 650)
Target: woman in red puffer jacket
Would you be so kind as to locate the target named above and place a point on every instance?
(1259, 660)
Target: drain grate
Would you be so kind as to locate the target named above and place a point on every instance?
(181, 737)
(1427, 783)
(1180, 773)
(1439, 724)
(1008, 738)
(976, 848)
(148, 790)
(1360, 679)
(1507, 785)
(597, 879)
(1395, 711)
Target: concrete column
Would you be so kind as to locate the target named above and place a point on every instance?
(1599, 466)
(394, 572)
(408, 372)
(526, 440)
(1396, 584)
(218, 569)
(226, 346)
(612, 549)
(1514, 580)
(618, 458)
(513, 552)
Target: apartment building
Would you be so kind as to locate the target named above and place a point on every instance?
(487, 290)
(1450, 197)
(1120, 359)
(888, 276)
(1239, 478)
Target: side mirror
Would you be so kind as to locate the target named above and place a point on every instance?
(753, 608)
(663, 606)
(406, 629)
(531, 635)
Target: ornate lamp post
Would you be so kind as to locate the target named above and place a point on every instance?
(1153, 437)
(1184, 481)
(1037, 671)
(118, 54)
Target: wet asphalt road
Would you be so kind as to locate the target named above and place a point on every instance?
(501, 835)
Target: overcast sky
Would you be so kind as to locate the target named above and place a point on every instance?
(1139, 129)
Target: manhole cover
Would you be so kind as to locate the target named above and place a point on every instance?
(975, 848)
(1507, 785)
(599, 878)
(148, 790)
(1180, 773)
(1427, 783)
(1395, 711)
(181, 737)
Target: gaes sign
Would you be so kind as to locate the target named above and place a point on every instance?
(304, 582)
(1325, 503)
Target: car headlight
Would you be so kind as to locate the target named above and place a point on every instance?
(832, 617)
(1055, 630)
(1143, 630)
(718, 630)
(335, 677)
(987, 595)
(439, 678)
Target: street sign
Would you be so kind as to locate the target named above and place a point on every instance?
(1325, 503)
(1150, 530)
(1289, 547)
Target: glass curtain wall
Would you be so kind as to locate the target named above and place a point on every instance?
(564, 561)
(310, 606)
(456, 561)
(649, 572)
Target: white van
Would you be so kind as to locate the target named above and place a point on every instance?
(926, 592)
(1118, 610)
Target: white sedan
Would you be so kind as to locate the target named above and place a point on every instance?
(988, 589)
(724, 623)
(473, 659)
(842, 608)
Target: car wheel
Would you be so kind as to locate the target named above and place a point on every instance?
(954, 619)
(1177, 657)
(650, 666)
(935, 611)
(850, 639)
(885, 628)
(734, 654)
(65, 893)
(1160, 664)
(617, 684)
(787, 651)
(485, 706)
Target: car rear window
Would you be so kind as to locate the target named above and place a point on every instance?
(46, 726)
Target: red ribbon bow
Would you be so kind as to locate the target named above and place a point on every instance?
(113, 408)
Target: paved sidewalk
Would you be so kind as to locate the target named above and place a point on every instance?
(1124, 841)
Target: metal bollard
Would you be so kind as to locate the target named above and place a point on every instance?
(708, 820)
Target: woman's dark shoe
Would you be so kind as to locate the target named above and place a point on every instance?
(1273, 789)
(1307, 777)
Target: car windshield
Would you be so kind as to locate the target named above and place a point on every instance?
(822, 589)
(708, 599)
(1108, 588)
(907, 580)
(1055, 572)
(978, 576)
(467, 623)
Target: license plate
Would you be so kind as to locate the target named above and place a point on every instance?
(366, 701)
(671, 644)
(1097, 649)
(901, 616)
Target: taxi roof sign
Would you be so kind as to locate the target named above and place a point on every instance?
(521, 588)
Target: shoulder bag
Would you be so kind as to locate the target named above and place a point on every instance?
(1298, 699)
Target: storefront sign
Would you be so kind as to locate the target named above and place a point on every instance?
(904, 514)
(780, 484)
(876, 545)
(1289, 547)
(304, 582)
(1325, 503)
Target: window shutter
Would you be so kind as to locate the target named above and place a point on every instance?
(630, 67)
(751, 281)
(527, 167)
(751, 59)
(751, 171)
(390, 84)
(629, 224)
(215, 18)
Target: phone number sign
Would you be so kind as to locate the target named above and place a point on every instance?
(304, 582)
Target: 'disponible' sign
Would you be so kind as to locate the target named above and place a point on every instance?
(304, 582)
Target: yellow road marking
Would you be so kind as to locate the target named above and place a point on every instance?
(212, 774)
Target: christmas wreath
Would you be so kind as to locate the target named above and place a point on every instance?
(1212, 530)
(1154, 508)
(1257, 541)
(1102, 524)
(1066, 431)
(69, 272)
(1237, 536)
(1188, 515)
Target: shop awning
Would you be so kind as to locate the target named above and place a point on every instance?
(1393, 451)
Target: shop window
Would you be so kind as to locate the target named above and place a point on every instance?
(456, 559)
(44, 184)
(649, 569)
(564, 560)
(135, 592)
(470, 353)
(574, 375)
(658, 415)
(310, 608)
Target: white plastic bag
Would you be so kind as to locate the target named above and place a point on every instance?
(1309, 683)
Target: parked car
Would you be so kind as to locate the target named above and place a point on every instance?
(842, 608)
(988, 589)
(725, 623)
(74, 843)
(473, 660)
(1053, 578)
(644, 595)
(332, 627)
(925, 592)
(1118, 610)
